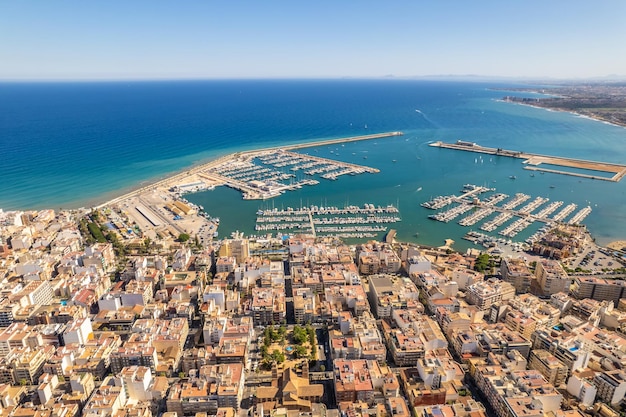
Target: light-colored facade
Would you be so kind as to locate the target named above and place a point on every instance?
(303, 305)
(582, 387)
(551, 277)
(516, 272)
(136, 381)
(611, 386)
(550, 367)
(387, 293)
(486, 293)
(599, 289)
(268, 306)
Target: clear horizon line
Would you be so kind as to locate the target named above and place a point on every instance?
(345, 77)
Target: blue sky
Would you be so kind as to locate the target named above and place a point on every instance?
(293, 39)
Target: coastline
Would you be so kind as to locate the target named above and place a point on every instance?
(560, 110)
(191, 173)
(160, 153)
(617, 245)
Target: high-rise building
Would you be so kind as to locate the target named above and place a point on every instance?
(515, 272)
(551, 277)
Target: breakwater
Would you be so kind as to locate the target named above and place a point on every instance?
(533, 161)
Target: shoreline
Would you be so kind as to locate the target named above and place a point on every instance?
(146, 192)
(189, 173)
(572, 112)
(617, 245)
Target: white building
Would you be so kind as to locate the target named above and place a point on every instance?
(611, 386)
(465, 277)
(78, 331)
(418, 264)
(551, 277)
(21, 242)
(109, 302)
(136, 381)
(582, 388)
(215, 293)
(47, 383)
(181, 259)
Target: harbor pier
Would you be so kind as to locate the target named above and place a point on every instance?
(533, 161)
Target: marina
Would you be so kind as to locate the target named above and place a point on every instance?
(451, 214)
(469, 190)
(268, 174)
(254, 181)
(549, 209)
(565, 212)
(505, 212)
(528, 208)
(500, 219)
(366, 221)
(489, 241)
(475, 217)
(517, 226)
(580, 216)
(518, 200)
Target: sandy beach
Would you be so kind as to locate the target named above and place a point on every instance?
(194, 173)
(617, 245)
(152, 206)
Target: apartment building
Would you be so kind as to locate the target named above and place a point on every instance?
(553, 370)
(268, 306)
(599, 289)
(516, 272)
(611, 386)
(484, 294)
(551, 277)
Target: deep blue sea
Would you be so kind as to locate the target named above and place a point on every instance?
(67, 145)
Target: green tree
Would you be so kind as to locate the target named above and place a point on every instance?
(282, 330)
(300, 352)
(482, 263)
(183, 237)
(299, 335)
(112, 237)
(96, 233)
(278, 356)
(311, 334)
(267, 337)
(273, 334)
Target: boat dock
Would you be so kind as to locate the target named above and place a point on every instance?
(261, 174)
(533, 161)
(516, 201)
(565, 212)
(366, 221)
(507, 211)
(469, 190)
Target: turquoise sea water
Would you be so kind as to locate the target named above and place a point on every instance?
(73, 144)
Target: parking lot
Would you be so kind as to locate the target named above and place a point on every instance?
(594, 259)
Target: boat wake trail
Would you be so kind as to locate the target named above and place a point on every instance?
(421, 113)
